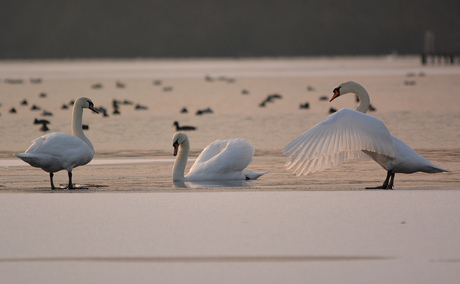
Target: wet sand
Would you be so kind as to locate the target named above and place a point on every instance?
(134, 174)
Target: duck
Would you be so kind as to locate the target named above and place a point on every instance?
(46, 113)
(120, 85)
(41, 121)
(97, 86)
(44, 124)
(305, 105)
(351, 134)
(183, 128)
(203, 111)
(35, 80)
(220, 160)
(140, 107)
(44, 127)
(62, 151)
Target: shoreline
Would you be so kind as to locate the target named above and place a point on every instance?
(154, 175)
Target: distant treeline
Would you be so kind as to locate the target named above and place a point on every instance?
(224, 28)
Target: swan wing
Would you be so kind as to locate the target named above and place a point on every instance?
(38, 142)
(222, 159)
(57, 151)
(211, 151)
(341, 136)
(58, 144)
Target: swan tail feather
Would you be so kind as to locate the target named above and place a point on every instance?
(249, 174)
(435, 169)
(32, 159)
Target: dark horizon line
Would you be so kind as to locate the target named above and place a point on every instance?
(206, 57)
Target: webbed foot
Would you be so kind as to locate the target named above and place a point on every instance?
(380, 187)
(73, 186)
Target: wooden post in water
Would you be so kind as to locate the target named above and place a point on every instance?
(428, 47)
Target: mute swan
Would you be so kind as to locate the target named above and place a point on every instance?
(220, 160)
(348, 134)
(62, 151)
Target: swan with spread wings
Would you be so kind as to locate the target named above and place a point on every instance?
(351, 134)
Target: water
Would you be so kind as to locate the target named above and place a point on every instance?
(424, 115)
(279, 228)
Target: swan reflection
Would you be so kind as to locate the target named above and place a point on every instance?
(214, 184)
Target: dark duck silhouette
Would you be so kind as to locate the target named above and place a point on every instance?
(183, 128)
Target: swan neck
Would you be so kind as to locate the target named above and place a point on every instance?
(363, 97)
(77, 129)
(181, 161)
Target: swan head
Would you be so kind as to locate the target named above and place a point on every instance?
(336, 93)
(86, 103)
(355, 88)
(344, 88)
(178, 139)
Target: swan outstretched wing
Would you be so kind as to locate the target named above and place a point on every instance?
(223, 158)
(341, 136)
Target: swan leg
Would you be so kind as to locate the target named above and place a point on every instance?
(51, 180)
(70, 181)
(73, 186)
(390, 185)
(387, 184)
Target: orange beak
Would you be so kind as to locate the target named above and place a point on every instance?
(336, 94)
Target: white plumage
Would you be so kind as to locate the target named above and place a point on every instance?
(351, 134)
(341, 136)
(62, 151)
(220, 160)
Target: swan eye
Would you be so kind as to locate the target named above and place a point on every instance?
(176, 143)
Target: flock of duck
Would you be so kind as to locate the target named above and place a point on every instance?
(44, 122)
(343, 135)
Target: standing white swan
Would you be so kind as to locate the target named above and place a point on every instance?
(62, 151)
(349, 134)
(220, 160)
